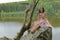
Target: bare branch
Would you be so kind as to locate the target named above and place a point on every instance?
(29, 24)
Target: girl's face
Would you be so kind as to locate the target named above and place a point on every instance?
(41, 9)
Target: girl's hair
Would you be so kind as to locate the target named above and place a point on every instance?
(43, 10)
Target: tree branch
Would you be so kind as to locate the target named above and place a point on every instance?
(23, 29)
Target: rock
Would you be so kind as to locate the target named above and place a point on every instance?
(43, 33)
(5, 38)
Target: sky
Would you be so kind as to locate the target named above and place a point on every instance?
(6, 1)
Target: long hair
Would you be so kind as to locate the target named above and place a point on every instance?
(43, 10)
(40, 12)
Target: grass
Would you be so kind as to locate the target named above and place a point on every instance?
(55, 21)
(12, 16)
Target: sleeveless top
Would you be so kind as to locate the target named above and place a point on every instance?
(43, 22)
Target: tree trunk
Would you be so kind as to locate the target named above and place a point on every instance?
(26, 27)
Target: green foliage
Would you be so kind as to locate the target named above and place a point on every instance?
(15, 11)
(12, 7)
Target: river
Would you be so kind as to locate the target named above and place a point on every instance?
(10, 30)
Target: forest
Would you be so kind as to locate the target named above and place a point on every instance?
(14, 11)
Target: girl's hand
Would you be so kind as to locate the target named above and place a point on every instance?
(30, 31)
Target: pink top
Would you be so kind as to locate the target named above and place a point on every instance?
(43, 22)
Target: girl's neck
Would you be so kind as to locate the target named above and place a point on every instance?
(42, 12)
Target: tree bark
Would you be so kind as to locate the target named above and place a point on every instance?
(29, 24)
(26, 27)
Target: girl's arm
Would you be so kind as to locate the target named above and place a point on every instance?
(45, 15)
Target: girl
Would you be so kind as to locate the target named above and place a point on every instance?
(42, 20)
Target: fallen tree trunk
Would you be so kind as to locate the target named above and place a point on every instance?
(26, 27)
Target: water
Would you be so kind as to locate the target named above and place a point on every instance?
(10, 30)
(56, 33)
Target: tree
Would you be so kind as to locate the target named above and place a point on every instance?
(26, 27)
